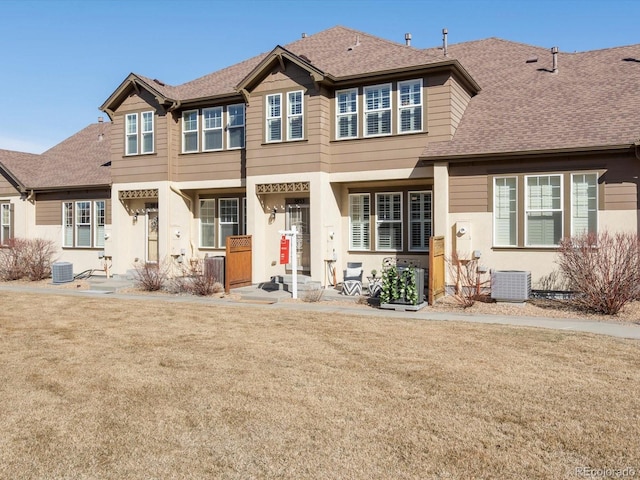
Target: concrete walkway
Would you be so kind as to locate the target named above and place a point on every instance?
(254, 297)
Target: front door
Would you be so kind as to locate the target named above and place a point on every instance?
(298, 215)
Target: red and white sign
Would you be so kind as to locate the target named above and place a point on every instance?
(284, 250)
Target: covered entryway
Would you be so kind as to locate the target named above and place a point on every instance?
(298, 216)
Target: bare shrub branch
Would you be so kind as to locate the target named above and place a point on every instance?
(30, 258)
(603, 269)
(467, 279)
(151, 276)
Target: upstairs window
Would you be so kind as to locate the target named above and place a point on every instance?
(131, 129)
(274, 118)
(389, 221)
(377, 110)
(410, 106)
(147, 132)
(212, 129)
(295, 118)
(5, 223)
(359, 224)
(190, 131)
(235, 126)
(347, 113)
(139, 138)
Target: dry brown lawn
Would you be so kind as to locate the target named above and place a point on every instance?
(104, 388)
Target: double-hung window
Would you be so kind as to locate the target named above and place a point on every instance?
(235, 126)
(377, 110)
(274, 118)
(505, 211)
(419, 220)
(147, 132)
(5, 223)
(543, 210)
(359, 223)
(190, 131)
(67, 224)
(212, 129)
(584, 203)
(295, 116)
(347, 113)
(131, 130)
(229, 219)
(389, 221)
(410, 106)
(207, 222)
(83, 224)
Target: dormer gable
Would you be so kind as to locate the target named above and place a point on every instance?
(135, 83)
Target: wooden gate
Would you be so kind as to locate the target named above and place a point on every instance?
(436, 269)
(238, 262)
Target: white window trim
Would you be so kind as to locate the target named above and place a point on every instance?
(70, 209)
(292, 116)
(571, 202)
(98, 237)
(184, 131)
(378, 222)
(377, 110)
(269, 118)
(128, 134)
(210, 129)
(201, 240)
(67, 211)
(351, 245)
(495, 243)
(423, 221)
(527, 209)
(5, 207)
(147, 132)
(412, 105)
(221, 223)
(348, 114)
(78, 224)
(233, 127)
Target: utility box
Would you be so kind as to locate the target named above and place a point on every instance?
(62, 272)
(462, 238)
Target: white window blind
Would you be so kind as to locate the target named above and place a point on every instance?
(359, 221)
(377, 106)
(389, 221)
(295, 117)
(347, 114)
(212, 129)
(131, 130)
(147, 132)
(207, 222)
(544, 210)
(274, 118)
(420, 220)
(410, 106)
(505, 211)
(584, 203)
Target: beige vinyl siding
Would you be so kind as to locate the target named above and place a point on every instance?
(49, 205)
(438, 107)
(140, 168)
(6, 188)
(468, 194)
(460, 98)
(381, 153)
(222, 165)
(621, 196)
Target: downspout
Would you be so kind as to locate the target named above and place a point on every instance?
(179, 192)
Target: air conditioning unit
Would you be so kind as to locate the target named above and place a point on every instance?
(62, 272)
(510, 285)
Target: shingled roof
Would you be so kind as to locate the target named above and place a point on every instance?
(81, 160)
(592, 102)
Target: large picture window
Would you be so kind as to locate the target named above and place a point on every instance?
(83, 223)
(359, 221)
(389, 221)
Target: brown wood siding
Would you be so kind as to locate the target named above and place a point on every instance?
(6, 188)
(139, 168)
(460, 98)
(49, 205)
(438, 105)
(621, 196)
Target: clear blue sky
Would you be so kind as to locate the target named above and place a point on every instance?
(61, 59)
